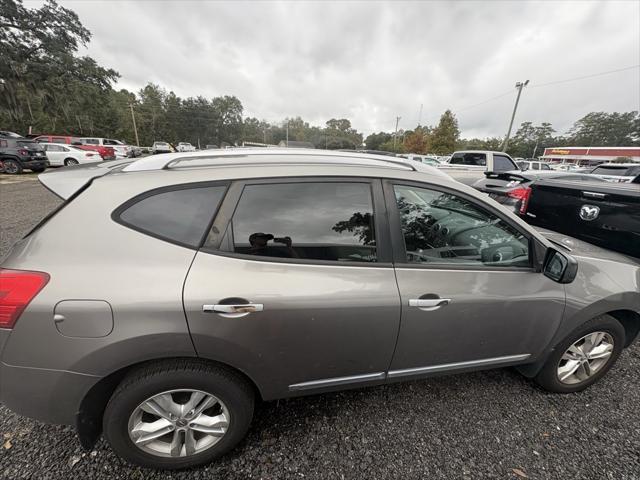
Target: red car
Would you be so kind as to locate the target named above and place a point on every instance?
(107, 153)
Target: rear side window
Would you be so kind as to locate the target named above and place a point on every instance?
(504, 164)
(330, 221)
(610, 170)
(180, 216)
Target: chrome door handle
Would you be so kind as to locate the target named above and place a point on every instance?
(429, 304)
(233, 311)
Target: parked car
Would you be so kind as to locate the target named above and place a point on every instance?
(525, 165)
(564, 167)
(19, 153)
(185, 147)
(602, 213)
(617, 172)
(469, 166)
(426, 159)
(122, 150)
(65, 155)
(269, 275)
(211, 147)
(161, 147)
(513, 190)
(107, 153)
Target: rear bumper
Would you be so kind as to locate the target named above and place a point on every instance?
(34, 163)
(51, 396)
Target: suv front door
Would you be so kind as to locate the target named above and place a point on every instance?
(295, 285)
(470, 297)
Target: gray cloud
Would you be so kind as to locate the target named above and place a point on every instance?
(371, 61)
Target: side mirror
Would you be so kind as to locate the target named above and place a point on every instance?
(560, 267)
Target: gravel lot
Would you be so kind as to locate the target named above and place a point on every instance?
(493, 424)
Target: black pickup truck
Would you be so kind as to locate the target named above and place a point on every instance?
(605, 214)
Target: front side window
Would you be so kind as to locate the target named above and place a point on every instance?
(329, 221)
(180, 216)
(59, 140)
(441, 228)
(475, 159)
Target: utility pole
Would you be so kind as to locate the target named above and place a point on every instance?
(287, 133)
(135, 129)
(519, 86)
(395, 137)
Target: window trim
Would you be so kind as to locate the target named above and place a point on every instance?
(116, 214)
(227, 209)
(397, 237)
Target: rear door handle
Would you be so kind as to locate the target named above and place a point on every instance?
(429, 304)
(233, 311)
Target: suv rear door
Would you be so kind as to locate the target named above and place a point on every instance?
(470, 297)
(295, 285)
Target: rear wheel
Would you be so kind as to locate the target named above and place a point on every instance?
(11, 167)
(71, 161)
(584, 357)
(178, 414)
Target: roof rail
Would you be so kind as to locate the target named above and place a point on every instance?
(232, 155)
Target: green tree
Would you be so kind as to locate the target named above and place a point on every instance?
(374, 140)
(445, 135)
(607, 129)
(40, 76)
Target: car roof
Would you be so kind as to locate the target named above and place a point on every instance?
(262, 157)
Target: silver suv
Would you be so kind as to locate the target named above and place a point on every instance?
(206, 281)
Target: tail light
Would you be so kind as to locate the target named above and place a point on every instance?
(17, 289)
(523, 194)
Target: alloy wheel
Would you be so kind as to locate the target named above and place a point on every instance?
(10, 167)
(585, 358)
(178, 423)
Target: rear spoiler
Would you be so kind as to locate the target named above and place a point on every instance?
(505, 176)
(66, 181)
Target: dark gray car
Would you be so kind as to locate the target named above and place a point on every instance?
(206, 281)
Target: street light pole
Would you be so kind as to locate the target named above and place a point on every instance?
(519, 86)
(135, 129)
(395, 137)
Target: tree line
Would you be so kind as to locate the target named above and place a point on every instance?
(46, 87)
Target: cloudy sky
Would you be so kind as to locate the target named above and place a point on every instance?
(373, 61)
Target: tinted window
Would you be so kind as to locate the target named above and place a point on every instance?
(179, 215)
(610, 170)
(59, 140)
(544, 166)
(91, 141)
(442, 228)
(316, 221)
(535, 166)
(503, 164)
(54, 148)
(478, 159)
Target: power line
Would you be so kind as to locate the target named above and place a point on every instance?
(608, 72)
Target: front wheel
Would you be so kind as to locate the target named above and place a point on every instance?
(71, 161)
(584, 357)
(178, 414)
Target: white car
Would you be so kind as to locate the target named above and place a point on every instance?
(60, 155)
(185, 147)
(122, 150)
(533, 165)
(161, 147)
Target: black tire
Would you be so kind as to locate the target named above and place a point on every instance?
(70, 161)
(548, 376)
(11, 167)
(227, 385)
